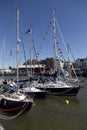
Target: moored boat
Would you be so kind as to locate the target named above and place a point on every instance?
(59, 88)
(30, 89)
(65, 81)
(15, 102)
(11, 100)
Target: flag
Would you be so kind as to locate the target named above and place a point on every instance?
(29, 31)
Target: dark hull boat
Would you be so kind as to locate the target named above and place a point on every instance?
(11, 100)
(61, 91)
(65, 81)
(41, 94)
(15, 103)
(32, 91)
(60, 88)
(37, 95)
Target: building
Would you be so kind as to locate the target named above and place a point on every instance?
(81, 63)
(6, 71)
(32, 68)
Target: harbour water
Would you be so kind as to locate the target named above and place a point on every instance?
(53, 113)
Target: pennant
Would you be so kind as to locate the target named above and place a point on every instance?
(28, 31)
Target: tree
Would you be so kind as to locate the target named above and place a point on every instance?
(10, 68)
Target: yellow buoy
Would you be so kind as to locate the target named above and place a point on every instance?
(67, 101)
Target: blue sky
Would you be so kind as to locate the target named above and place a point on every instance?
(70, 14)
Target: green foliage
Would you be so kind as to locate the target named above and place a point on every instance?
(48, 62)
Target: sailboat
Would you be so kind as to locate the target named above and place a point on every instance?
(27, 86)
(12, 100)
(30, 89)
(63, 84)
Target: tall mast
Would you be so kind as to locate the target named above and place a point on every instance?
(55, 41)
(3, 56)
(32, 48)
(17, 40)
(30, 34)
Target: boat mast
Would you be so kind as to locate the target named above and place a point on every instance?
(32, 49)
(55, 51)
(57, 61)
(30, 34)
(17, 40)
(3, 56)
(56, 57)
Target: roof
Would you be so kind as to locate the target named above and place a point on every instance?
(32, 66)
